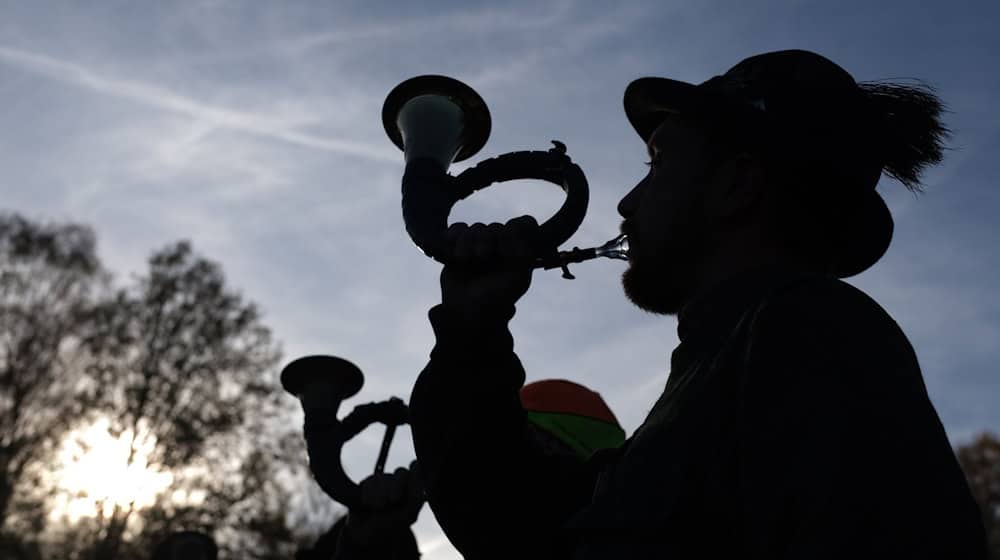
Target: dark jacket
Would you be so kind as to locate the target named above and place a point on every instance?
(334, 544)
(794, 425)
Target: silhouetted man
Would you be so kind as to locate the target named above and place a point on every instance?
(565, 419)
(379, 528)
(794, 422)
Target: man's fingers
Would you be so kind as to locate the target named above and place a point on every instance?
(525, 222)
(397, 487)
(488, 242)
(415, 486)
(381, 490)
(478, 242)
(469, 244)
(455, 231)
(458, 237)
(517, 239)
(373, 491)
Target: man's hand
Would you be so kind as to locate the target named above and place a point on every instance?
(390, 503)
(492, 264)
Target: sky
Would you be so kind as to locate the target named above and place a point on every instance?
(254, 130)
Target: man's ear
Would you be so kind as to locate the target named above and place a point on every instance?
(736, 189)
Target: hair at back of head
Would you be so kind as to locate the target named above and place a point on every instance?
(913, 134)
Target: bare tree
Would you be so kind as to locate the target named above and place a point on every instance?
(177, 364)
(183, 359)
(981, 462)
(49, 278)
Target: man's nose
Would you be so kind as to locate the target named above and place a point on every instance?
(626, 206)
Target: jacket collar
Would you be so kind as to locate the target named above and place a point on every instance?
(714, 311)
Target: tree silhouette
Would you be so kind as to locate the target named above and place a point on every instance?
(981, 462)
(181, 359)
(176, 365)
(49, 276)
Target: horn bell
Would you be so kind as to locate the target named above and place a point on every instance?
(298, 375)
(436, 117)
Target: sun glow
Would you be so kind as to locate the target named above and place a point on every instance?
(94, 473)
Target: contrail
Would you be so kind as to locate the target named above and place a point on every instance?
(167, 100)
(472, 23)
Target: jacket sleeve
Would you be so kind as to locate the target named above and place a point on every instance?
(388, 547)
(843, 455)
(492, 490)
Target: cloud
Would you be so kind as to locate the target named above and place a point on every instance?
(477, 22)
(167, 100)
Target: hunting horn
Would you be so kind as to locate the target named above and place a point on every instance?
(322, 383)
(436, 121)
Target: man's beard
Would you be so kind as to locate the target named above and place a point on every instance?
(662, 283)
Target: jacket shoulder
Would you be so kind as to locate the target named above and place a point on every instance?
(828, 304)
(844, 334)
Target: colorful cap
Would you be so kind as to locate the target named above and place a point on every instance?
(572, 413)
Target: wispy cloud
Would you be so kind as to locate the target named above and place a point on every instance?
(462, 23)
(164, 99)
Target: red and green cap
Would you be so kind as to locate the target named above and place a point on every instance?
(575, 415)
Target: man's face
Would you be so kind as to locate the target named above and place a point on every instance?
(665, 219)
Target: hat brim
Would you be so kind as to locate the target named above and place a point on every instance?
(648, 102)
(866, 235)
